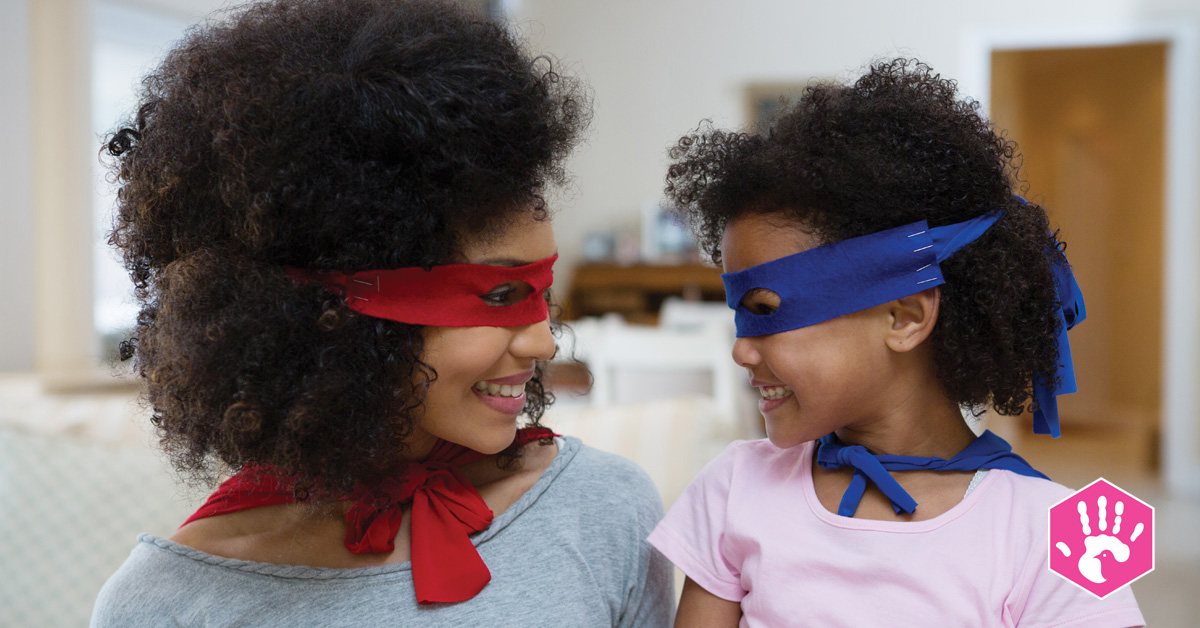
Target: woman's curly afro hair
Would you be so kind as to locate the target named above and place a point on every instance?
(325, 134)
(894, 148)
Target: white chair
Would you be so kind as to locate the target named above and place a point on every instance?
(677, 313)
(690, 357)
(667, 397)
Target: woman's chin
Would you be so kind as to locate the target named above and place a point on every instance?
(491, 441)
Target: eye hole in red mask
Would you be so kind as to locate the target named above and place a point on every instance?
(507, 293)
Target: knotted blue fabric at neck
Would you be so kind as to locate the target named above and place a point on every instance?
(859, 273)
(988, 451)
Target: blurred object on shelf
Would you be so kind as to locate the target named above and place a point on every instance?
(661, 238)
(629, 247)
(664, 238)
(599, 246)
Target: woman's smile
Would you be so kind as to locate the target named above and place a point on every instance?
(503, 394)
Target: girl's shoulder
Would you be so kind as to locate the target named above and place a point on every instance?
(751, 457)
(750, 466)
(1025, 492)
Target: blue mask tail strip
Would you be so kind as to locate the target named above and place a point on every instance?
(949, 239)
(1046, 390)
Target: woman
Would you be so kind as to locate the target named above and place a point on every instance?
(332, 211)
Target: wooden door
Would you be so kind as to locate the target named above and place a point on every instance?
(1090, 125)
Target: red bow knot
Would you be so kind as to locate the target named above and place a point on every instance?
(446, 510)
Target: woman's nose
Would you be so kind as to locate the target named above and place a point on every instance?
(533, 341)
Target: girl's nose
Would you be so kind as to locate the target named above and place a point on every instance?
(745, 354)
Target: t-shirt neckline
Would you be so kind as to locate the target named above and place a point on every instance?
(907, 527)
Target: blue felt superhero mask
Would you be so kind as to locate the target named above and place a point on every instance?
(852, 275)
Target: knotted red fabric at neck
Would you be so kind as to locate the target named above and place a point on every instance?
(446, 510)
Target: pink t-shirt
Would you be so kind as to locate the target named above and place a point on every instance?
(750, 529)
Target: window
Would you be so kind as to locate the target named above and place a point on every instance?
(128, 42)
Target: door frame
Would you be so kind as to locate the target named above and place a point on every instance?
(1180, 394)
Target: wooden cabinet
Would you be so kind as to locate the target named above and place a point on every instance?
(637, 292)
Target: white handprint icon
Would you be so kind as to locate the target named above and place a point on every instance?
(1090, 566)
(1108, 558)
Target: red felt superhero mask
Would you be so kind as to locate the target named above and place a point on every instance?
(455, 295)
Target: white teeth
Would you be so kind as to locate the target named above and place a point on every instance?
(499, 390)
(775, 392)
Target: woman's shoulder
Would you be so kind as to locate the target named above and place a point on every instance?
(164, 582)
(608, 464)
(149, 579)
(607, 476)
(158, 560)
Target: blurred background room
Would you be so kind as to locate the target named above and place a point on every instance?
(1104, 102)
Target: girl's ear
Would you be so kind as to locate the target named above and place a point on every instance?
(912, 319)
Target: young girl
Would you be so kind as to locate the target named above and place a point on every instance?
(884, 277)
(333, 211)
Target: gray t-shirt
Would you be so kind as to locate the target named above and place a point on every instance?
(571, 552)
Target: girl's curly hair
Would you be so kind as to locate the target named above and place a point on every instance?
(325, 134)
(894, 148)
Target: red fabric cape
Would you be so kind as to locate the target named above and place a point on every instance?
(446, 510)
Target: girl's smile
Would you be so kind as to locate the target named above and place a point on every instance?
(773, 396)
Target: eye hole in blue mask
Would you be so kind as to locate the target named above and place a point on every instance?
(760, 302)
